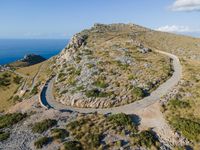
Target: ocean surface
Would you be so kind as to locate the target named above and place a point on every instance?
(15, 49)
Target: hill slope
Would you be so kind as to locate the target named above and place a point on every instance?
(106, 66)
(182, 109)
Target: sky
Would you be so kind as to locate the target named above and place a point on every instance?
(61, 19)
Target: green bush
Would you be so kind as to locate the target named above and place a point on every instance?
(78, 72)
(4, 136)
(6, 75)
(97, 93)
(72, 125)
(41, 142)
(146, 138)
(94, 140)
(71, 81)
(138, 92)
(16, 98)
(17, 79)
(174, 103)
(34, 91)
(131, 77)
(73, 71)
(59, 133)
(5, 80)
(72, 145)
(10, 119)
(43, 126)
(120, 119)
(188, 128)
(100, 83)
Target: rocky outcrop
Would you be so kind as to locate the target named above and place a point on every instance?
(77, 41)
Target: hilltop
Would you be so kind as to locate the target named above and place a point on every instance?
(106, 66)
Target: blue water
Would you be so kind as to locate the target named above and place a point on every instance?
(14, 49)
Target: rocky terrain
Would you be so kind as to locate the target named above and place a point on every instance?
(106, 66)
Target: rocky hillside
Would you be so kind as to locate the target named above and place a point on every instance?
(108, 66)
(104, 66)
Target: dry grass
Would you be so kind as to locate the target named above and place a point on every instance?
(6, 94)
(45, 70)
(42, 69)
(29, 71)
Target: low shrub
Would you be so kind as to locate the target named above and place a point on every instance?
(59, 133)
(4, 136)
(72, 125)
(6, 75)
(11, 119)
(72, 145)
(187, 127)
(78, 72)
(122, 65)
(17, 79)
(147, 139)
(97, 93)
(5, 81)
(131, 77)
(41, 142)
(61, 75)
(16, 98)
(34, 91)
(174, 103)
(138, 92)
(94, 140)
(100, 83)
(43, 126)
(71, 81)
(120, 119)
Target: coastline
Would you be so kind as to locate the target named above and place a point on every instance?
(12, 50)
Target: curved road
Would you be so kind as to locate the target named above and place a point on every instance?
(47, 99)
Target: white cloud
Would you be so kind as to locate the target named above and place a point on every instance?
(179, 29)
(186, 5)
(174, 28)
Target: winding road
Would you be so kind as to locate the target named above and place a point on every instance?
(47, 100)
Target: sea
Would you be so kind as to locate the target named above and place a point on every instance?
(15, 49)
